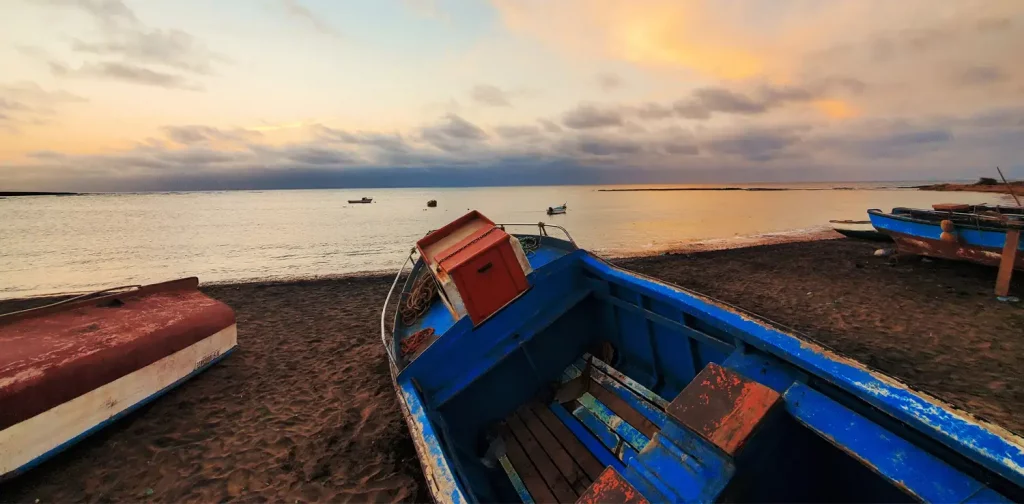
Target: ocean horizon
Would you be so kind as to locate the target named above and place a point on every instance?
(55, 244)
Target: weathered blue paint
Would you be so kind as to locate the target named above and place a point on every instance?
(504, 347)
(603, 432)
(662, 335)
(627, 432)
(631, 398)
(517, 482)
(592, 443)
(433, 460)
(680, 467)
(899, 461)
(476, 350)
(629, 382)
(765, 369)
(968, 235)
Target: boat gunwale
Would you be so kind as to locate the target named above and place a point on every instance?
(990, 226)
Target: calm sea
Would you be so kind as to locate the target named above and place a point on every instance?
(79, 243)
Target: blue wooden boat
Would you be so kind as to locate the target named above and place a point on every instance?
(597, 384)
(977, 233)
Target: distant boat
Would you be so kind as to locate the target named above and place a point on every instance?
(557, 210)
(432, 203)
(862, 230)
(363, 200)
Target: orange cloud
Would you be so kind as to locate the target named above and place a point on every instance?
(836, 109)
(690, 35)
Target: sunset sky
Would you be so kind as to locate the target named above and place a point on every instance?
(99, 95)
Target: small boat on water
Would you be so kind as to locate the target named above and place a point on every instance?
(530, 370)
(975, 233)
(862, 230)
(432, 203)
(364, 199)
(557, 210)
(72, 368)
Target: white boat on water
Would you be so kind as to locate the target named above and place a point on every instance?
(557, 210)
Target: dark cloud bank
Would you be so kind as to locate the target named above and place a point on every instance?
(595, 146)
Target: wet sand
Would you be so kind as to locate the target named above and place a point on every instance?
(304, 409)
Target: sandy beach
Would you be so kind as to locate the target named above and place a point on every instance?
(304, 410)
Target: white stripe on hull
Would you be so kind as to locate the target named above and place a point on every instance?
(29, 439)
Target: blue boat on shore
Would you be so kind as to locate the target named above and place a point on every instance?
(530, 370)
(975, 233)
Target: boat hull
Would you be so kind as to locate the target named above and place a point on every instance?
(33, 441)
(70, 369)
(930, 247)
(977, 245)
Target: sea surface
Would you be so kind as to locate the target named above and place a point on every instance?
(51, 244)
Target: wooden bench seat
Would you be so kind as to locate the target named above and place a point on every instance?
(554, 452)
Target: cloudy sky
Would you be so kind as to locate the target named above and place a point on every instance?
(194, 94)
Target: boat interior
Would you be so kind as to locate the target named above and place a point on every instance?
(597, 380)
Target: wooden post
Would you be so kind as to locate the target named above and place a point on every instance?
(1009, 258)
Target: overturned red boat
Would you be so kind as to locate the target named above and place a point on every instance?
(69, 369)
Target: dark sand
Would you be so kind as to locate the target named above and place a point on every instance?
(304, 409)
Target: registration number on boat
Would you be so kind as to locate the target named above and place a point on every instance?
(208, 359)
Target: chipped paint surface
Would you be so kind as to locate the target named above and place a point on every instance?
(53, 354)
(629, 382)
(517, 482)
(611, 487)
(987, 444)
(910, 468)
(723, 407)
(980, 245)
(911, 245)
(440, 480)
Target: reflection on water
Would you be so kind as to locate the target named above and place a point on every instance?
(61, 244)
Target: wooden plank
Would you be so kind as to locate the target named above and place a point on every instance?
(556, 482)
(563, 461)
(1009, 258)
(527, 472)
(517, 482)
(569, 441)
(647, 409)
(609, 419)
(586, 436)
(630, 383)
(623, 410)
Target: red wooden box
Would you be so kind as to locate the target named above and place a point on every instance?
(479, 267)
